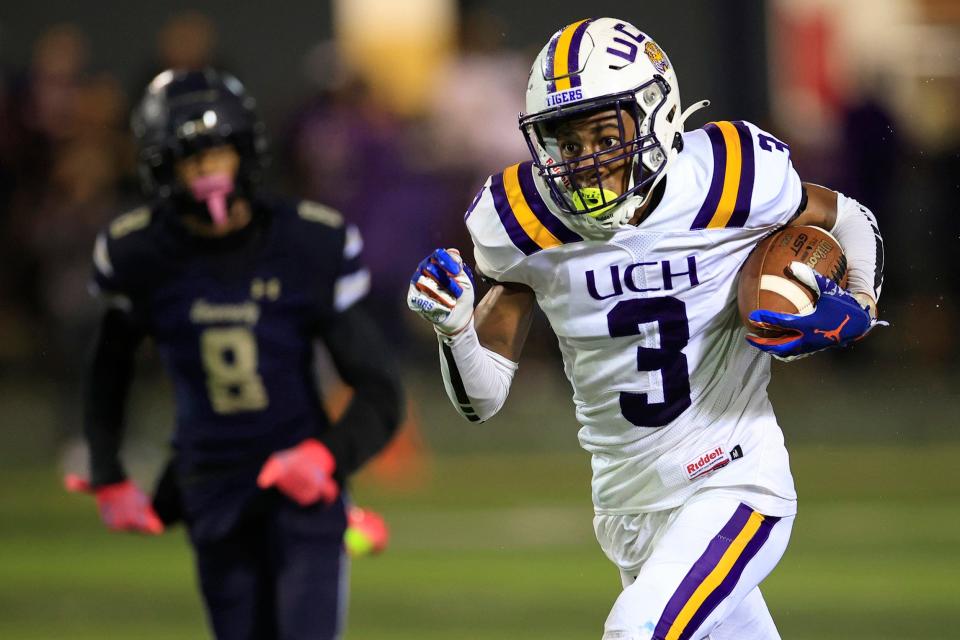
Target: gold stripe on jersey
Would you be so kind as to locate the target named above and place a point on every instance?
(731, 177)
(529, 222)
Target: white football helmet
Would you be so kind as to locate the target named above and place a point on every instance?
(596, 65)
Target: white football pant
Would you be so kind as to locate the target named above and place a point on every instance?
(691, 573)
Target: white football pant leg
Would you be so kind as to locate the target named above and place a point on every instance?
(751, 620)
(712, 555)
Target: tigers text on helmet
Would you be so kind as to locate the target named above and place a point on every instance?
(183, 112)
(593, 66)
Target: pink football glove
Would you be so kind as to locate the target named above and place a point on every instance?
(366, 534)
(123, 506)
(303, 473)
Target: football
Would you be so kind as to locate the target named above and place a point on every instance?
(767, 283)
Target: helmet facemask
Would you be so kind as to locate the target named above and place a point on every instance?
(577, 184)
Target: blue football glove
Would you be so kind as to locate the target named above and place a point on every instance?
(837, 319)
(441, 291)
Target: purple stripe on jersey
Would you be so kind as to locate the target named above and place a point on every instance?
(473, 205)
(517, 235)
(710, 204)
(573, 58)
(702, 568)
(725, 588)
(745, 190)
(539, 207)
(548, 61)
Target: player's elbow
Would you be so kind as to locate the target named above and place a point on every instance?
(478, 410)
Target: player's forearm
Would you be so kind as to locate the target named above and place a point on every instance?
(366, 427)
(477, 380)
(855, 228)
(105, 393)
(859, 236)
(363, 360)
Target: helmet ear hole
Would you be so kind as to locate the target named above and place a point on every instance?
(670, 116)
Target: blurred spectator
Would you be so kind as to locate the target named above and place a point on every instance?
(40, 119)
(187, 41)
(346, 150)
(43, 102)
(477, 99)
(67, 150)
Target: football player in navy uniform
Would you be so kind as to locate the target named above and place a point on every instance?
(234, 285)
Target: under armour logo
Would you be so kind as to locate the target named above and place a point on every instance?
(834, 334)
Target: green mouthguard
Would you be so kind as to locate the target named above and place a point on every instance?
(590, 197)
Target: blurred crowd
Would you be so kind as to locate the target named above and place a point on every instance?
(68, 164)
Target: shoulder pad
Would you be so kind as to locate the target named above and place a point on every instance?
(125, 253)
(751, 181)
(129, 222)
(316, 212)
(511, 219)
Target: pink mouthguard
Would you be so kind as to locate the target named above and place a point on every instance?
(214, 189)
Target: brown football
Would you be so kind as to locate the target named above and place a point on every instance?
(767, 283)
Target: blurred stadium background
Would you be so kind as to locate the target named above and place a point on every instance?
(395, 112)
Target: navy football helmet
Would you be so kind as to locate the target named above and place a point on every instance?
(183, 112)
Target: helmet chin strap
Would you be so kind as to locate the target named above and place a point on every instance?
(213, 189)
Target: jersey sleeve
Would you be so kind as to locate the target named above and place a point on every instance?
(752, 182)
(353, 278)
(118, 264)
(333, 249)
(494, 254)
(511, 220)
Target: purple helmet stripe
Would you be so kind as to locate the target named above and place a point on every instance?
(573, 58)
(745, 191)
(539, 207)
(701, 569)
(517, 235)
(712, 200)
(725, 588)
(548, 61)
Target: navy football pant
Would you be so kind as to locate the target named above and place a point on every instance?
(279, 573)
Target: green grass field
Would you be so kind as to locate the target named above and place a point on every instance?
(499, 547)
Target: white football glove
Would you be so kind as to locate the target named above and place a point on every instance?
(441, 290)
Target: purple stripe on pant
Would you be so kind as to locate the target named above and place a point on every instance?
(709, 206)
(701, 569)
(539, 207)
(745, 190)
(517, 235)
(725, 588)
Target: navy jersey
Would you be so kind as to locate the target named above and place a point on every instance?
(234, 318)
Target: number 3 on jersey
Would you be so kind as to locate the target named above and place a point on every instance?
(670, 315)
(230, 360)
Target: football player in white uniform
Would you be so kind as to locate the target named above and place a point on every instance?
(629, 234)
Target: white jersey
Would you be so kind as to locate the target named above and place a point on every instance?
(670, 396)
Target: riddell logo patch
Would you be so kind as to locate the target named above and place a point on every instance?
(707, 462)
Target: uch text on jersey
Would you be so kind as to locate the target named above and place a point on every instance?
(641, 277)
